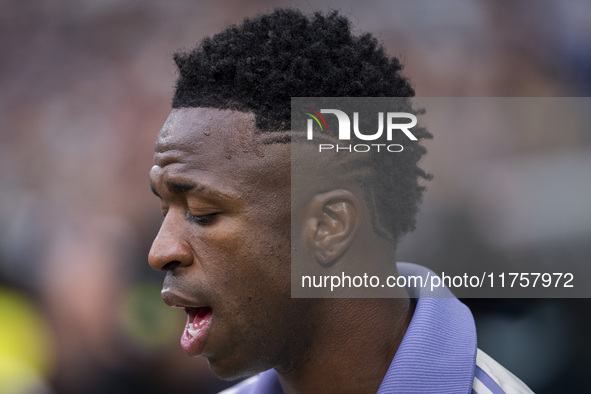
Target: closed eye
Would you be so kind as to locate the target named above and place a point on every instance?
(203, 219)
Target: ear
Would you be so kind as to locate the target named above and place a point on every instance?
(332, 223)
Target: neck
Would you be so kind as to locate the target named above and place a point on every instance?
(360, 335)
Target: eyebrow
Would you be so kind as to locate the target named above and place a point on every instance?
(176, 187)
(179, 188)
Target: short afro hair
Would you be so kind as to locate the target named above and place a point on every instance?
(260, 64)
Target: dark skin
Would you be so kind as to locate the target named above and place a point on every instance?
(225, 244)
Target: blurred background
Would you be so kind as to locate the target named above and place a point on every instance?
(85, 87)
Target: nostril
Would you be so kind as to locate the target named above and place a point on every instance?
(171, 265)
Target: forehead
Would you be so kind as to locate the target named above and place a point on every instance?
(217, 145)
(189, 129)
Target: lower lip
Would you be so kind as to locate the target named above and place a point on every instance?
(196, 330)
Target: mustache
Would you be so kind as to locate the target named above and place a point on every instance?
(190, 292)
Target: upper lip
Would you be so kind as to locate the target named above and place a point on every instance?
(176, 300)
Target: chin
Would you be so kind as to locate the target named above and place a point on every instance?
(232, 370)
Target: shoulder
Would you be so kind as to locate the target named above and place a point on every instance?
(492, 377)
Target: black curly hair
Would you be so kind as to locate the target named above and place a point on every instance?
(260, 64)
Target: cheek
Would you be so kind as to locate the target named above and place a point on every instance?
(245, 257)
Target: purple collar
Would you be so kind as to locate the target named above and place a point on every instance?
(438, 351)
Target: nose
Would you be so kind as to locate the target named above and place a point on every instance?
(169, 249)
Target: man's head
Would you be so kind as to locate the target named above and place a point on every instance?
(258, 66)
(222, 171)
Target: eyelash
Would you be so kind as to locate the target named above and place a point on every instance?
(204, 219)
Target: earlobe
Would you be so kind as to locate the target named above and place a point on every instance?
(334, 219)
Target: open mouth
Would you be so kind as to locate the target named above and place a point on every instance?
(195, 334)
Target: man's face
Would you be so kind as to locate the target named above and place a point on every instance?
(225, 240)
